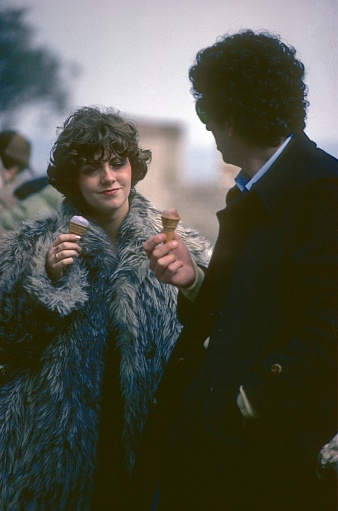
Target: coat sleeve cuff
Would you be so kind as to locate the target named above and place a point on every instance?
(62, 297)
(192, 291)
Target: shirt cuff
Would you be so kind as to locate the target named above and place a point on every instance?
(191, 292)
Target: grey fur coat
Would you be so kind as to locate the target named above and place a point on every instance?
(53, 338)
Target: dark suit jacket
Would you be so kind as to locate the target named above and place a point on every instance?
(268, 303)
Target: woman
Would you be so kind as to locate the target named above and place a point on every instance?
(86, 329)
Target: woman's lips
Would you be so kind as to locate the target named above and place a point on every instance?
(112, 191)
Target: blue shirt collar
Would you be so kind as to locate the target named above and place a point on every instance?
(245, 183)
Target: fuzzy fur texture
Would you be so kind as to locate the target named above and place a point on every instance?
(53, 338)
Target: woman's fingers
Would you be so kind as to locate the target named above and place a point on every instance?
(61, 254)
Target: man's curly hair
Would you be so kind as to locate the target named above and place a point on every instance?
(84, 133)
(255, 79)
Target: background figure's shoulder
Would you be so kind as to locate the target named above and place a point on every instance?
(29, 208)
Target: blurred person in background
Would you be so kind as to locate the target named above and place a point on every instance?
(15, 152)
(241, 427)
(85, 327)
(21, 199)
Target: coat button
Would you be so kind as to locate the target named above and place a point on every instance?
(276, 369)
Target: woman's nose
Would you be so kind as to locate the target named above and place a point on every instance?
(107, 173)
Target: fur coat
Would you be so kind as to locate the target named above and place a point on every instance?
(53, 339)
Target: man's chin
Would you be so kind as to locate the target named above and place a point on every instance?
(223, 157)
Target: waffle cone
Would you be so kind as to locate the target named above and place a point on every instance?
(169, 226)
(75, 228)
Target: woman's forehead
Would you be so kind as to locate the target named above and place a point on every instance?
(105, 154)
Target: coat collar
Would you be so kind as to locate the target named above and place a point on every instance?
(271, 189)
(284, 173)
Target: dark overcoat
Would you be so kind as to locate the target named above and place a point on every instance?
(268, 303)
(108, 315)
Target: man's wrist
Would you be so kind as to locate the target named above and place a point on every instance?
(191, 291)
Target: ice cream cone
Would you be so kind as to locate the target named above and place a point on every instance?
(78, 225)
(170, 219)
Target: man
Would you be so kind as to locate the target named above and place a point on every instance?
(19, 199)
(239, 427)
(15, 154)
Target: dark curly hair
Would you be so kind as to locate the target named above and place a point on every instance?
(84, 133)
(255, 79)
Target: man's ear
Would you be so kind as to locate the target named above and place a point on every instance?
(229, 127)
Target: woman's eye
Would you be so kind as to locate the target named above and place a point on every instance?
(118, 163)
(88, 169)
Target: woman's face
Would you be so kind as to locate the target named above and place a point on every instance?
(106, 186)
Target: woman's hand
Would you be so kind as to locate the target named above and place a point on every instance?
(61, 254)
(171, 262)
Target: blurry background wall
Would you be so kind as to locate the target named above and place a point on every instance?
(166, 184)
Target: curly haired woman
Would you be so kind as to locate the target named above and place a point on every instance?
(86, 328)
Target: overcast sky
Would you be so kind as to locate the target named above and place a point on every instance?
(135, 54)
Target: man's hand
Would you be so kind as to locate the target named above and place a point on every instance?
(171, 262)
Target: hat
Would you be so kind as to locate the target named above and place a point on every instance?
(14, 150)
